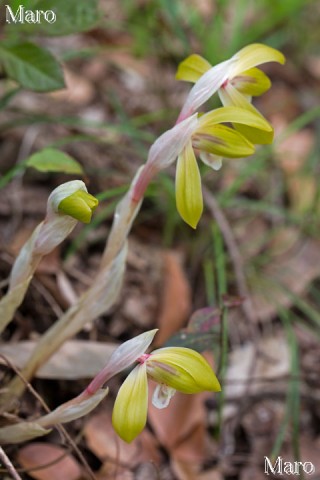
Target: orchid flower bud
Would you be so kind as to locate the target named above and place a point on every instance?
(55, 228)
(67, 204)
(79, 205)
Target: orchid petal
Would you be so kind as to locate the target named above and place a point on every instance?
(124, 356)
(213, 161)
(129, 351)
(192, 68)
(252, 130)
(233, 114)
(182, 369)
(188, 187)
(223, 141)
(252, 82)
(162, 395)
(253, 55)
(130, 409)
(205, 87)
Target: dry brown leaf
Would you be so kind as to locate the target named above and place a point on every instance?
(293, 271)
(302, 192)
(50, 263)
(252, 473)
(187, 471)
(181, 428)
(177, 422)
(309, 452)
(78, 91)
(272, 363)
(114, 471)
(175, 304)
(212, 474)
(20, 238)
(292, 152)
(283, 240)
(251, 236)
(66, 289)
(75, 359)
(187, 457)
(312, 63)
(65, 467)
(105, 443)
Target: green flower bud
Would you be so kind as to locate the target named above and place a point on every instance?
(79, 205)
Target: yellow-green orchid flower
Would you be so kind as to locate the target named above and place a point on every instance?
(173, 368)
(236, 80)
(213, 141)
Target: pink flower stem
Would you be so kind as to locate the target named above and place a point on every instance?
(98, 381)
(183, 115)
(145, 177)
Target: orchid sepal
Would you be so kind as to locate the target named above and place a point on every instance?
(183, 369)
(129, 415)
(188, 187)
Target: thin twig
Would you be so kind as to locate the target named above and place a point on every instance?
(63, 432)
(243, 289)
(6, 461)
(236, 258)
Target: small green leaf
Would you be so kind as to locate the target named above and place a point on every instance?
(31, 66)
(5, 99)
(52, 160)
(204, 319)
(198, 341)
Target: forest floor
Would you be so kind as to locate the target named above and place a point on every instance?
(255, 257)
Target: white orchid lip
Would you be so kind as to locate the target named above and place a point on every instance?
(162, 395)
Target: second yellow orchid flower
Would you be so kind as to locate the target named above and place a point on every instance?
(173, 368)
(236, 80)
(213, 140)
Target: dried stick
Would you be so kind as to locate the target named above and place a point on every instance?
(60, 428)
(6, 461)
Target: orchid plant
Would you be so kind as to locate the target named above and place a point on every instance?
(230, 131)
